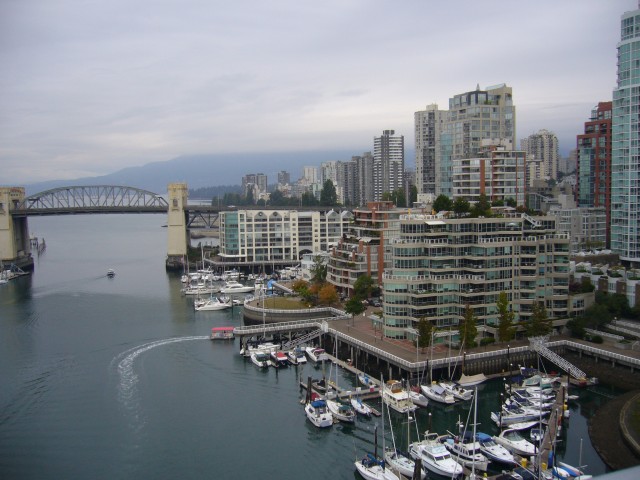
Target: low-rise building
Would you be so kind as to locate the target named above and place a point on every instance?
(276, 236)
(364, 248)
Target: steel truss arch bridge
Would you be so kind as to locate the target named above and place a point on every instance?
(91, 199)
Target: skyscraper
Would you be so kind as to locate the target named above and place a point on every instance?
(388, 163)
(444, 136)
(428, 128)
(625, 151)
(543, 146)
(593, 188)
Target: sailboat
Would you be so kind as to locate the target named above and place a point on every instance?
(341, 411)
(398, 460)
(371, 467)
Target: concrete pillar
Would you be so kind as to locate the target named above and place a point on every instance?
(177, 225)
(14, 231)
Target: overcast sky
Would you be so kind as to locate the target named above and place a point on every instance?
(88, 87)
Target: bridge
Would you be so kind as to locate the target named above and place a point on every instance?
(16, 207)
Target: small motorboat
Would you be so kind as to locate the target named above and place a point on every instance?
(515, 443)
(493, 451)
(111, 273)
(279, 359)
(318, 414)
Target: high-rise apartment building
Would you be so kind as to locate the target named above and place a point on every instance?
(388, 163)
(498, 172)
(284, 178)
(625, 151)
(593, 187)
(428, 128)
(444, 136)
(256, 183)
(364, 178)
(543, 145)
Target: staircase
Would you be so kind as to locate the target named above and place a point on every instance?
(306, 338)
(531, 220)
(538, 345)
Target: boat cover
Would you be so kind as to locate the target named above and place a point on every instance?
(437, 389)
(318, 404)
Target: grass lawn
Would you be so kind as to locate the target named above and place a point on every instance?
(283, 303)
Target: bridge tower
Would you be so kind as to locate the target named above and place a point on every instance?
(177, 226)
(14, 230)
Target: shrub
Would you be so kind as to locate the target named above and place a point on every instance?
(487, 341)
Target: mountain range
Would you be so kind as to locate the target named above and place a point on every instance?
(206, 170)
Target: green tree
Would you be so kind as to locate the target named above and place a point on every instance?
(308, 200)
(468, 329)
(506, 330)
(249, 200)
(328, 196)
(425, 329)
(442, 203)
(511, 202)
(461, 205)
(482, 207)
(362, 287)
(413, 195)
(399, 198)
(318, 270)
(539, 323)
(354, 306)
(276, 198)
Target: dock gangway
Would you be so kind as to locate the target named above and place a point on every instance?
(306, 338)
(538, 344)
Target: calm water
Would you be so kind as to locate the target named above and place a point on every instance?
(116, 378)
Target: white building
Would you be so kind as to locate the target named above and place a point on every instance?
(266, 236)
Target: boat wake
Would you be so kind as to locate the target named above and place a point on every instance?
(128, 378)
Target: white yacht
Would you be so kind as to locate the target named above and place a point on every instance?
(318, 413)
(396, 397)
(466, 452)
(317, 354)
(515, 443)
(457, 391)
(235, 287)
(213, 303)
(435, 457)
(493, 451)
(436, 393)
(261, 359)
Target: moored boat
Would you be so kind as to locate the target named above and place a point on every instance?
(279, 359)
(343, 412)
(493, 451)
(211, 304)
(436, 393)
(235, 287)
(435, 457)
(466, 452)
(316, 354)
(261, 359)
(318, 413)
(515, 443)
(396, 397)
(360, 407)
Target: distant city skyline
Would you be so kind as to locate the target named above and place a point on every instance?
(119, 87)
